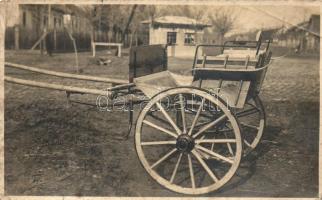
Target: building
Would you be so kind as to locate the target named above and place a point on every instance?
(313, 35)
(26, 24)
(304, 37)
(180, 33)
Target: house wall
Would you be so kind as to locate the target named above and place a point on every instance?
(159, 36)
(304, 40)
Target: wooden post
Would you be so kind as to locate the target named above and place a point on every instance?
(119, 50)
(93, 48)
(16, 29)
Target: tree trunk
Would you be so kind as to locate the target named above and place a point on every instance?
(49, 18)
(221, 38)
(128, 22)
(131, 39)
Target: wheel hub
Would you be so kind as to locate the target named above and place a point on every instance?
(185, 143)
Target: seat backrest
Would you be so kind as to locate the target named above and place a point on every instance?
(264, 59)
(145, 60)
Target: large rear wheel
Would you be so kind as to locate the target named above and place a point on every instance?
(195, 153)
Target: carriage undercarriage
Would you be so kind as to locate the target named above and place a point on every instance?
(194, 128)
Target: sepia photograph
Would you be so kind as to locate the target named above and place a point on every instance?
(157, 100)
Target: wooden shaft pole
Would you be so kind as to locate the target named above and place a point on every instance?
(54, 86)
(67, 75)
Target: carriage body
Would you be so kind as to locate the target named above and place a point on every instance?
(225, 77)
(233, 71)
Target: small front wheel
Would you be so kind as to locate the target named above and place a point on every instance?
(196, 154)
(252, 120)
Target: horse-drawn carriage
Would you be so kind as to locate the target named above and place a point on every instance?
(194, 127)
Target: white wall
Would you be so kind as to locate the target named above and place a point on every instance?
(159, 36)
(182, 51)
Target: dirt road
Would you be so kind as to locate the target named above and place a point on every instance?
(55, 149)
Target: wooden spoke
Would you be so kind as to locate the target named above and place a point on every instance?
(175, 168)
(164, 158)
(225, 130)
(249, 126)
(205, 166)
(191, 172)
(199, 125)
(215, 141)
(247, 112)
(229, 147)
(160, 128)
(251, 104)
(201, 114)
(157, 143)
(169, 118)
(159, 119)
(213, 145)
(196, 117)
(183, 114)
(203, 155)
(203, 129)
(215, 154)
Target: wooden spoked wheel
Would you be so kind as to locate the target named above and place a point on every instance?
(252, 120)
(193, 154)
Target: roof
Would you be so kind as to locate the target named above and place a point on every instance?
(268, 34)
(176, 20)
(312, 26)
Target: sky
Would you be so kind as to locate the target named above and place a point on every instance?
(251, 17)
(247, 17)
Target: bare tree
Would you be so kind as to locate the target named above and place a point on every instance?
(126, 28)
(194, 12)
(223, 22)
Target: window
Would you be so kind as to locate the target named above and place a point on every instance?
(24, 19)
(189, 38)
(171, 38)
